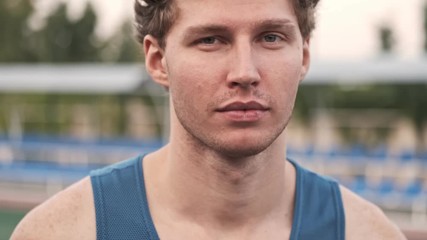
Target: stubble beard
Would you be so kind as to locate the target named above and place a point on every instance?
(216, 141)
(212, 141)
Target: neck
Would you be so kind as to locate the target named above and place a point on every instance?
(224, 192)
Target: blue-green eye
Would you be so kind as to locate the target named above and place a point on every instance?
(208, 40)
(271, 38)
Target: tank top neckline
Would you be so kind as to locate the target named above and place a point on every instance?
(296, 219)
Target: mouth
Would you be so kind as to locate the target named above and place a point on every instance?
(243, 106)
(244, 111)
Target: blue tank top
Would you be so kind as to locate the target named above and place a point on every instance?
(122, 210)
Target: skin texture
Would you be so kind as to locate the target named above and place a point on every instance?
(223, 175)
(212, 59)
(236, 66)
(69, 214)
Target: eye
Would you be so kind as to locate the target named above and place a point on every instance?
(271, 38)
(208, 40)
(210, 43)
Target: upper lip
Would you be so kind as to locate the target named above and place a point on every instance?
(243, 106)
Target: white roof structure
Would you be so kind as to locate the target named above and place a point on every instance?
(381, 71)
(79, 78)
(125, 78)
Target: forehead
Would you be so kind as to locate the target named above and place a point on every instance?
(233, 13)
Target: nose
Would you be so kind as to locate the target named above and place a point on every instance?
(244, 72)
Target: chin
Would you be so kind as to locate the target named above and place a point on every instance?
(240, 153)
(233, 143)
(242, 148)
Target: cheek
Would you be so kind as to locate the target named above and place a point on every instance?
(194, 77)
(291, 82)
(191, 88)
(284, 76)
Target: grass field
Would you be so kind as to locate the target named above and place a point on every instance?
(8, 220)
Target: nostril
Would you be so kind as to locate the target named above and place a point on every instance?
(235, 84)
(243, 84)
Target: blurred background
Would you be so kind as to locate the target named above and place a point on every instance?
(74, 96)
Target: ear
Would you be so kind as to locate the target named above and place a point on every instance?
(305, 58)
(155, 62)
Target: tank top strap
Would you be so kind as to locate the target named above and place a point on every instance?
(122, 210)
(318, 210)
(121, 202)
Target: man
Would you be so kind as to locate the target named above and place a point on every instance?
(232, 69)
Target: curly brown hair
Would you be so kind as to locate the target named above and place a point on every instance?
(155, 17)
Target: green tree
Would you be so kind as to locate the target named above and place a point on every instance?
(13, 30)
(129, 50)
(387, 39)
(412, 100)
(122, 47)
(62, 40)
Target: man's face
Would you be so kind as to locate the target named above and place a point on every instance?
(233, 69)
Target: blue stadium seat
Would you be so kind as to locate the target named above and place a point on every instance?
(358, 185)
(386, 187)
(379, 154)
(413, 189)
(37, 172)
(332, 154)
(355, 155)
(291, 152)
(406, 156)
(423, 158)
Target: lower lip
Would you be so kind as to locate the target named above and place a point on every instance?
(244, 116)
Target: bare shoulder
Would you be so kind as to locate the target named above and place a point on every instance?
(69, 214)
(366, 221)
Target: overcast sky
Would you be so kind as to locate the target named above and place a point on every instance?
(346, 28)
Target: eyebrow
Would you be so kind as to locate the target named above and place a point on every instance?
(276, 23)
(269, 24)
(205, 29)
